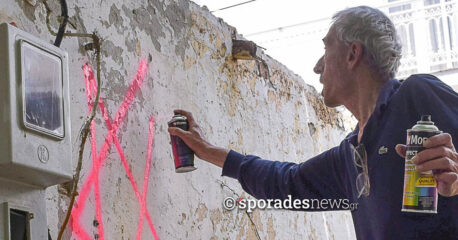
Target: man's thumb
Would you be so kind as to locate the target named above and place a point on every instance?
(401, 150)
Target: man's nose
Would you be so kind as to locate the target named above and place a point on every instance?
(318, 69)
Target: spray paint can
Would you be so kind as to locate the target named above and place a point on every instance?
(182, 154)
(420, 192)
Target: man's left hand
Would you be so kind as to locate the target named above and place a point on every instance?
(440, 156)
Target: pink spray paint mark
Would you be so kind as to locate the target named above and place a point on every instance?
(91, 91)
(98, 159)
(80, 205)
(143, 210)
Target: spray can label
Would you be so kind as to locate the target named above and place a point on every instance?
(420, 192)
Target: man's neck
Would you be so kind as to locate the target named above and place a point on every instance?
(364, 99)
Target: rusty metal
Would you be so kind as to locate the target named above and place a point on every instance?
(243, 49)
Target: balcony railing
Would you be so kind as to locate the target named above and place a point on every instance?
(428, 31)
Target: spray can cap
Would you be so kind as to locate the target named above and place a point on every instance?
(426, 119)
(178, 118)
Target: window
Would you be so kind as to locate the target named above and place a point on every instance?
(403, 35)
(400, 8)
(441, 28)
(431, 2)
(433, 35)
(412, 39)
(451, 31)
(406, 34)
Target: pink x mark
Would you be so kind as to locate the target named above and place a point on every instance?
(99, 159)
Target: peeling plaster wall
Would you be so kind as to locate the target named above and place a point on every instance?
(189, 66)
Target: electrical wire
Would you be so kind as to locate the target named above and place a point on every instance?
(287, 26)
(63, 25)
(235, 5)
(85, 128)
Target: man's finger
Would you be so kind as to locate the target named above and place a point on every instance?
(175, 131)
(432, 153)
(439, 140)
(445, 183)
(447, 177)
(444, 163)
(187, 114)
(401, 150)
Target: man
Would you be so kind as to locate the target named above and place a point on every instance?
(362, 53)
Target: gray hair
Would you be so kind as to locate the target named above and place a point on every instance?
(375, 31)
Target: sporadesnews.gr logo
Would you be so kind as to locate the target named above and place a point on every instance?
(249, 205)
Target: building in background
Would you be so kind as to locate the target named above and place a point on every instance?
(428, 31)
(427, 28)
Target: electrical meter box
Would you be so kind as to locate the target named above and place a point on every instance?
(35, 142)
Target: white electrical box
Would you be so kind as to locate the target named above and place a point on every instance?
(35, 142)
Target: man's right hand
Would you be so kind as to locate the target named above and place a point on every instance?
(195, 140)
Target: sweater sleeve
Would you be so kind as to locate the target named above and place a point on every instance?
(323, 176)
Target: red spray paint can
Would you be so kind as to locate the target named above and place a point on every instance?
(182, 154)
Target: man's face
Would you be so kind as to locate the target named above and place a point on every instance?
(332, 69)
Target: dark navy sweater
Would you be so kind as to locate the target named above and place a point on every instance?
(332, 174)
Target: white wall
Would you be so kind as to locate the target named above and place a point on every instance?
(188, 51)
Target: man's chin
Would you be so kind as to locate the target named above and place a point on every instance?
(329, 102)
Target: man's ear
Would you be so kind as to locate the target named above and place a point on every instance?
(354, 54)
